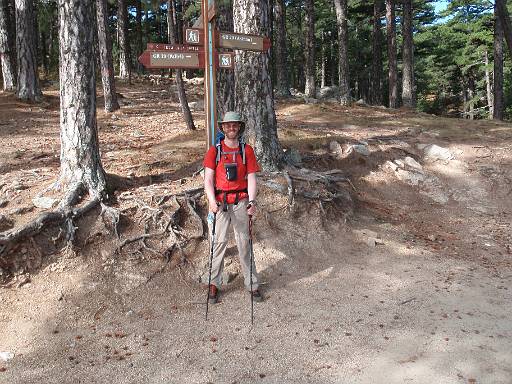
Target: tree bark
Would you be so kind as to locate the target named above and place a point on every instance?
(281, 51)
(309, 21)
(323, 63)
(488, 84)
(105, 51)
(173, 39)
(225, 78)
(80, 156)
(124, 47)
(28, 80)
(253, 84)
(392, 69)
(501, 7)
(6, 54)
(408, 87)
(138, 33)
(498, 95)
(343, 70)
(376, 83)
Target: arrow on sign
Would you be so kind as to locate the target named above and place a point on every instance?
(229, 40)
(167, 56)
(171, 59)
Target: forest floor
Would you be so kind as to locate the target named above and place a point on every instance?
(412, 284)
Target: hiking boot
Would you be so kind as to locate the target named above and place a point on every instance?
(214, 294)
(257, 296)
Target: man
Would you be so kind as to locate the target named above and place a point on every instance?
(230, 186)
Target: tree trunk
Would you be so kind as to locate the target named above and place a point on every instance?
(334, 62)
(6, 55)
(171, 26)
(105, 51)
(79, 156)
(138, 33)
(253, 84)
(498, 95)
(323, 64)
(488, 83)
(124, 47)
(309, 21)
(281, 51)
(225, 78)
(408, 87)
(343, 70)
(376, 83)
(501, 7)
(392, 69)
(28, 80)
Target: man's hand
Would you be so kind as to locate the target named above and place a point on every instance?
(251, 209)
(213, 206)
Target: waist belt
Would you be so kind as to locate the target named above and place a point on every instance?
(226, 193)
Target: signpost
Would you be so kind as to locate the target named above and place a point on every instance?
(200, 51)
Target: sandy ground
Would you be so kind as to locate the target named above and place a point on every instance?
(414, 288)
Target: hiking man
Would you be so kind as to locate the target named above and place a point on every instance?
(230, 186)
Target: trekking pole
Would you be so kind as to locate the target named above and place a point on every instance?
(252, 261)
(213, 217)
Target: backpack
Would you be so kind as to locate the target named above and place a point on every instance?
(218, 148)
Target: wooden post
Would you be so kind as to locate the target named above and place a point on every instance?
(210, 76)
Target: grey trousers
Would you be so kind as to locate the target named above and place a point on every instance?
(236, 215)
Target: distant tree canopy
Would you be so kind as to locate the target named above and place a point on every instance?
(452, 55)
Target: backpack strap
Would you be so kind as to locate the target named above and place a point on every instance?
(218, 148)
(242, 151)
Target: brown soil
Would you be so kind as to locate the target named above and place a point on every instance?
(412, 286)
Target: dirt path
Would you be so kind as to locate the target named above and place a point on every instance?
(415, 287)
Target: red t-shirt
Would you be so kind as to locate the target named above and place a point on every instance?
(231, 155)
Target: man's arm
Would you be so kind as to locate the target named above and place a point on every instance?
(209, 178)
(252, 190)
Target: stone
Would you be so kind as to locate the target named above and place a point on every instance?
(361, 149)
(410, 177)
(328, 92)
(292, 157)
(310, 100)
(6, 356)
(44, 202)
(6, 223)
(413, 163)
(335, 148)
(434, 152)
(391, 165)
(360, 102)
(196, 105)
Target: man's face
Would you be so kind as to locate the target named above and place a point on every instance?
(231, 129)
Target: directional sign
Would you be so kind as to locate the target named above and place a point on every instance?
(225, 60)
(242, 41)
(229, 40)
(172, 47)
(170, 59)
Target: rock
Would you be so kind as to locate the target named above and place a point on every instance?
(361, 149)
(410, 177)
(21, 210)
(391, 165)
(44, 202)
(292, 157)
(196, 105)
(6, 356)
(137, 133)
(434, 152)
(371, 242)
(6, 223)
(328, 92)
(310, 100)
(413, 163)
(360, 102)
(294, 91)
(335, 148)
(19, 187)
(432, 237)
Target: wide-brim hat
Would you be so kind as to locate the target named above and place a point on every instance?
(232, 117)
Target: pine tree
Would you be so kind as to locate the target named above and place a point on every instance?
(28, 79)
(392, 64)
(6, 54)
(281, 50)
(253, 84)
(80, 156)
(343, 69)
(310, 70)
(124, 46)
(408, 88)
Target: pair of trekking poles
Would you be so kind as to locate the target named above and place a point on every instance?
(211, 262)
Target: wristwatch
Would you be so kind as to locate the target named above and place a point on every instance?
(253, 202)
